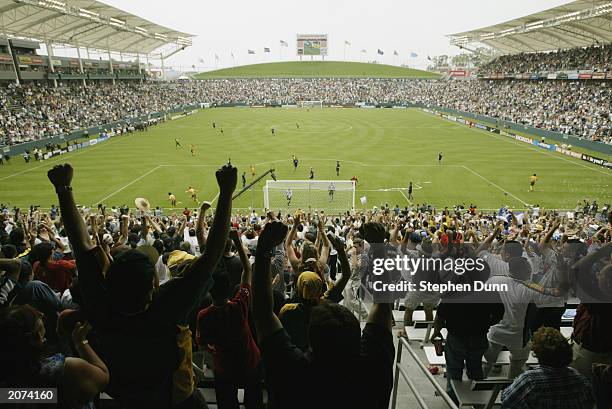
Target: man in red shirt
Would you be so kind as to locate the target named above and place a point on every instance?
(56, 274)
(224, 329)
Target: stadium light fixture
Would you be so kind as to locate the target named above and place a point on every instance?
(117, 22)
(88, 14)
(53, 4)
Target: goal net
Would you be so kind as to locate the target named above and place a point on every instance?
(329, 195)
(310, 104)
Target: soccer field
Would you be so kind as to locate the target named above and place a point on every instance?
(384, 148)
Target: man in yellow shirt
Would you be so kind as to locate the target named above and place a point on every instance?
(192, 194)
(532, 180)
(172, 199)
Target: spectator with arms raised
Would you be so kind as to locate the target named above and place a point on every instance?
(142, 335)
(340, 355)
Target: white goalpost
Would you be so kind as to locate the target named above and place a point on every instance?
(310, 104)
(328, 195)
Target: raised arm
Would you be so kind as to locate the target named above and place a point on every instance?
(266, 322)
(61, 178)
(244, 260)
(487, 242)
(289, 243)
(153, 224)
(226, 177)
(325, 244)
(546, 239)
(201, 225)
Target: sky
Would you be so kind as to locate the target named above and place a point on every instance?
(234, 26)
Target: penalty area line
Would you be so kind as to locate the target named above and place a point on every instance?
(129, 184)
(495, 185)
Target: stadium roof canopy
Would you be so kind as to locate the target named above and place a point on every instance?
(86, 23)
(579, 23)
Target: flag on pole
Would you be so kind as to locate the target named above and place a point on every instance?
(251, 51)
(346, 42)
(380, 52)
(266, 49)
(413, 55)
(395, 53)
(284, 43)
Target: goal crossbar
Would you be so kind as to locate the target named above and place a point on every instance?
(309, 194)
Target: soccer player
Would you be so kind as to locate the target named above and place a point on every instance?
(410, 191)
(331, 190)
(296, 162)
(243, 179)
(355, 180)
(440, 157)
(289, 195)
(172, 199)
(532, 181)
(297, 125)
(177, 144)
(273, 131)
(192, 150)
(26, 157)
(1, 159)
(337, 168)
(311, 173)
(253, 170)
(214, 125)
(221, 129)
(192, 194)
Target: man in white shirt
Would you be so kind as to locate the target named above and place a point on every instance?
(498, 263)
(509, 332)
(358, 260)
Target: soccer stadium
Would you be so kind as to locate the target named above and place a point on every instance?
(357, 222)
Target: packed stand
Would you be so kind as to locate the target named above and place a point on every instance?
(32, 112)
(122, 300)
(595, 58)
(579, 108)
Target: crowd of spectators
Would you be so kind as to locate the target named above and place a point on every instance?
(118, 300)
(574, 108)
(595, 58)
(33, 112)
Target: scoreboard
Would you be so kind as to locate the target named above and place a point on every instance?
(312, 44)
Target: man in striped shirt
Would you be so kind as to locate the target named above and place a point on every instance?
(553, 384)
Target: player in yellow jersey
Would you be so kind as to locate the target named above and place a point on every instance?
(192, 194)
(172, 199)
(532, 181)
(253, 170)
(192, 150)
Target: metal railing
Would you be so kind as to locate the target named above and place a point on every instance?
(399, 370)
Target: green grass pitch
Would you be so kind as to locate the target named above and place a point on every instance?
(310, 69)
(385, 149)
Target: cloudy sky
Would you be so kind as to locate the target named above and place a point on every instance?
(227, 26)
